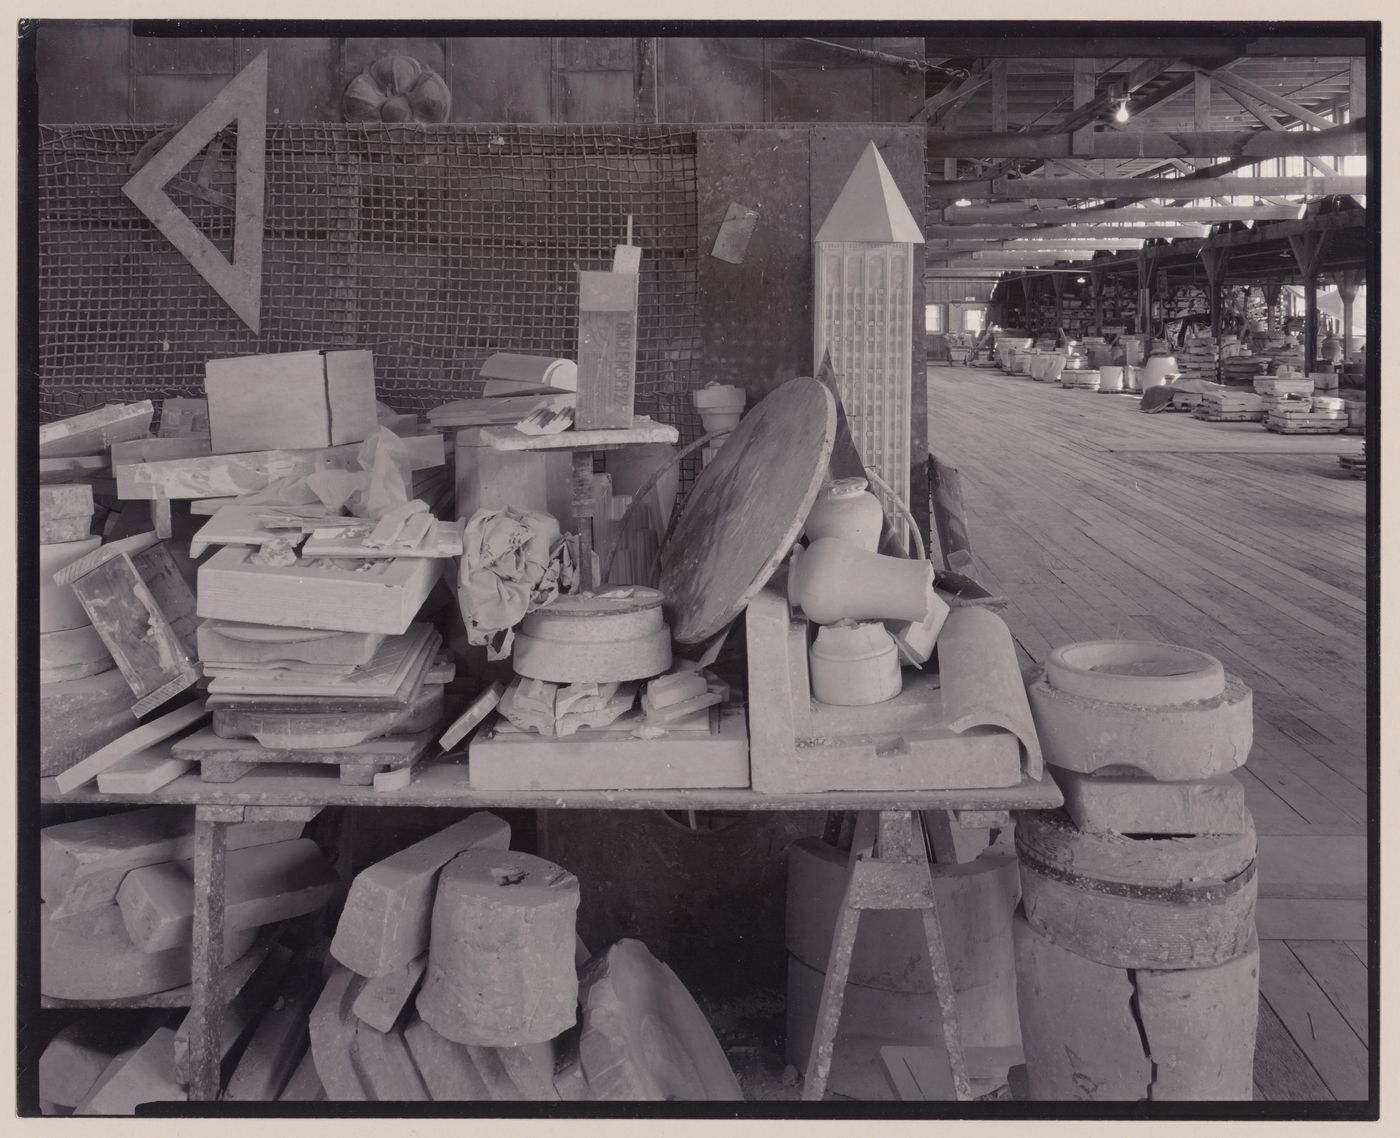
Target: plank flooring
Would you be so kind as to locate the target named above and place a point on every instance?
(1097, 522)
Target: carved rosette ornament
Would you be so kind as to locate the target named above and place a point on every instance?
(396, 89)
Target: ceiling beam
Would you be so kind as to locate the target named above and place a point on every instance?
(978, 76)
(1176, 215)
(1272, 125)
(1233, 83)
(1020, 189)
(1347, 139)
(1203, 48)
(1060, 232)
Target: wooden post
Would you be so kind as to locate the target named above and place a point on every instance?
(1144, 321)
(1215, 261)
(1026, 299)
(999, 100)
(207, 955)
(1201, 93)
(1096, 283)
(1348, 281)
(1357, 95)
(1082, 140)
(647, 110)
(583, 514)
(1057, 282)
(1272, 290)
(1307, 251)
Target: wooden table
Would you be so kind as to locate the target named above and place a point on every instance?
(444, 785)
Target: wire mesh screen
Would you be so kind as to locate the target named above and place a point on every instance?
(434, 247)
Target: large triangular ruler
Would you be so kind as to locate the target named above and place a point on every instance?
(243, 101)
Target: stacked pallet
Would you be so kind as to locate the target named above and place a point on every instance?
(1241, 370)
(1308, 414)
(1354, 464)
(1199, 358)
(1225, 405)
(1136, 954)
(1356, 416)
(458, 979)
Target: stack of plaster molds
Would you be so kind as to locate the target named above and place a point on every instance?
(461, 978)
(1136, 953)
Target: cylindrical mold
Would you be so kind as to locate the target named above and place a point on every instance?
(1137, 902)
(1096, 1033)
(501, 958)
(854, 663)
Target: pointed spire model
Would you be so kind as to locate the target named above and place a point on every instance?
(864, 311)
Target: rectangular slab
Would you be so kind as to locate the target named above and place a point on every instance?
(65, 512)
(76, 1057)
(144, 1074)
(263, 884)
(383, 598)
(709, 750)
(95, 431)
(384, 997)
(82, 863)
(323, 398)
(1125, 805)
(388, 913)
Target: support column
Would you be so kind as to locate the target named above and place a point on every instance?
(1215, 261)
(207, 953)
(1057, 282)
(1096, 283)
(1348, 282)
(1307, 251)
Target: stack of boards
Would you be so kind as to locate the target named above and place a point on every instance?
(1137, 959)
(116, 920)
(1199, 358)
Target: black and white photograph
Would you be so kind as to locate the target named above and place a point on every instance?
(699, 570)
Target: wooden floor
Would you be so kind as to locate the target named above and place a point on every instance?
(1097, 521)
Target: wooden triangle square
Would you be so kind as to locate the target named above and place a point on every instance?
(244, 102)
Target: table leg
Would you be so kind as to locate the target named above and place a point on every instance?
(207, 1002)
(838, 966)
(583, 514)
(947, 1000)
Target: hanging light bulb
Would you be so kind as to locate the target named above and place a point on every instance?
(963, 202)
(1081, 280)
(1121, 114)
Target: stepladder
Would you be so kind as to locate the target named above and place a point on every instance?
(888, 868)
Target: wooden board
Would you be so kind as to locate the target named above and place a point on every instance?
(234, 642)
(73, 469)
(710, 750)
(385, 598)
(747, 508)
(96, 430)
(229, 475)
(146, 647)
(133, 742)
(143, 772)
(642, 430)
(228, 760)
(134, 544)
(607, 349)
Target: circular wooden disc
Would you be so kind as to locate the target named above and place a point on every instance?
(747, 508)
(266, 634)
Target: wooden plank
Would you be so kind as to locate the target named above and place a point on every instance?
(1120, 144)
(1281, 1069)
(1342, 976)
(148, 734)
(229, 475)
(1316, 1026)
(95, 430)
(1021, 189)
(1172, 215)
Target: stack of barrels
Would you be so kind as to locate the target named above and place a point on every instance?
(1137, 961)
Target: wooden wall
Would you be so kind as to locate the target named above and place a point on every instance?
(91, 71)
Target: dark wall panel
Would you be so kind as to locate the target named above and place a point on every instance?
(711, 80)
(756, 317)
(500, 80)
(303, 76)
(83, 72)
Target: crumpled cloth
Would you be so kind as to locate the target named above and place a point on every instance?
(512, 561)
